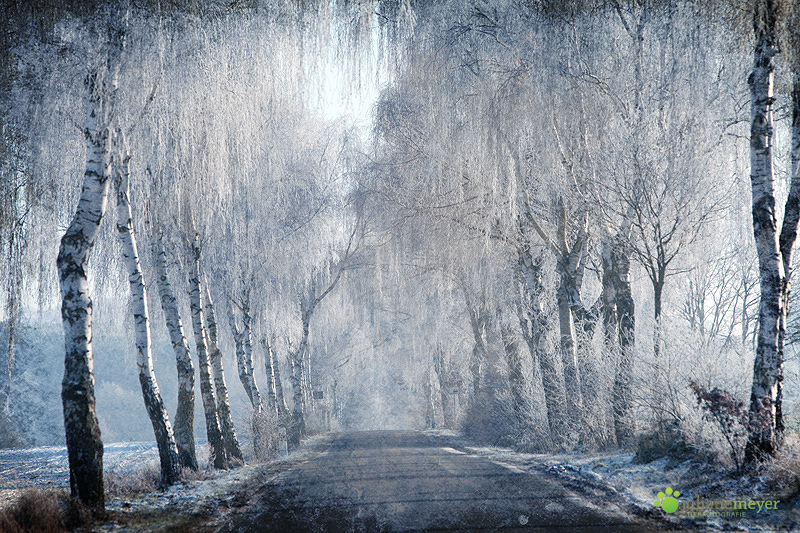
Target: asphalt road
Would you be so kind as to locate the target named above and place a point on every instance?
(408, 481)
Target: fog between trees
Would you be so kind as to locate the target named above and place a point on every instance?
(542, 237)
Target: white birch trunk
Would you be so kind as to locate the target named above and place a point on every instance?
(441, 377)
(567, 297)
(243, 339)
(244, 361)
(280, 398)
(297, 426)
(430, 411)
(272, 401)
(238, 342)
(218, 455)
(624, 316)
(768, 364)
(184, 415)
(232, 447)
(167, 449)
(534, 326)
(516, 378)
(84, 445)
(791, 215)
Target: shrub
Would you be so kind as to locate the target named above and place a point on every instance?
(36, 511)
(730, 415)
(783, 470)
(140, 480)
(667, 440)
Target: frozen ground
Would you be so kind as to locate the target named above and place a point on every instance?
(212, 499)
(46, 466)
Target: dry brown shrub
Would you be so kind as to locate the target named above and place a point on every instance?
(141, 480)
(783, 471)
(36, 511)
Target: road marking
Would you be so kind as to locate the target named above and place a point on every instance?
(510, 467)
(453, 450)
(554, 507)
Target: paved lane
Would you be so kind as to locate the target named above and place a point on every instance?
(408, 481)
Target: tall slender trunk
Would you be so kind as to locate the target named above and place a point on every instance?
(280, 398)
(84, 445)
(272, 400)
(621, 393)
(533, 321)
(569, 358)
(232, 447)
(214, 433)
(478, 321)
(11, 346)
(569, 265)
(308, 384)
(658, 296)
(243, 340)
(516, 378)
(255, 394)
(297, 425)
(609, 296)
(184, 414)
(791, 214)
(238, 343)
(768, 365)
(430, 411)
(165, 440)
(244, 362)
(441, 375)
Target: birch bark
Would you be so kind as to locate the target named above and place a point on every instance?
(255, 394)
(84, 445)
(232, 448)
(624, 315)
(791, 216)
(533, 322)
(167, 449)
(218, 455)
(768, 364)
(283, 410)
(516, 378)
(448, 413)
(272, 400)
(430, 415)
(184, 415)
(244, 361)
(478, 320)
(297, 427)
(568, 298)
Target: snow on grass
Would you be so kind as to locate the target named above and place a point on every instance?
(131, 471)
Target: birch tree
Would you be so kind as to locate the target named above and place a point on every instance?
(84, 445)
(774, 249)
(274, 379)
(764, 409)
(232, 448)
(243, 340)
(165, 439)
(219, 456)
(184, 415)
(311, 298)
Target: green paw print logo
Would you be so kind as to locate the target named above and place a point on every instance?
(667, 500)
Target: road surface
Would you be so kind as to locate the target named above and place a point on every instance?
(408, 481)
